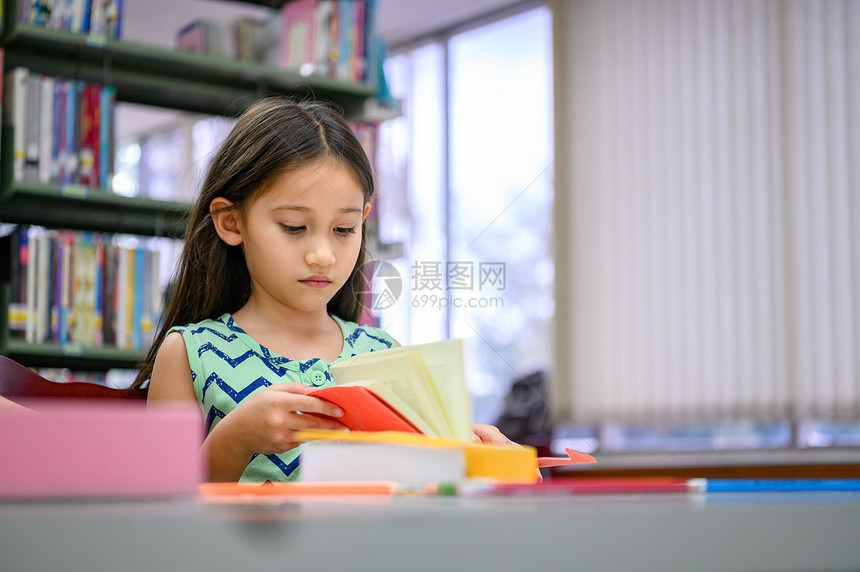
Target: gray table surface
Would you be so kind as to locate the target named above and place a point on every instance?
(724, 531)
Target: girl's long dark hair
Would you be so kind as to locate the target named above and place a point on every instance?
(272, 136)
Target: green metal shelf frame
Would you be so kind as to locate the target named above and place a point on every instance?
(83, 208)
(73, 356)
(152, 75)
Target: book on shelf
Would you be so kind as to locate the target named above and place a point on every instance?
(83, 289)
(297, 36)
(420, 389)
(63, 129)
(327, 38)
(95, 17)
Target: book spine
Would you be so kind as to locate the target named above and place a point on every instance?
(41, 12)
(72, 132)
(24, 10)
(322, 35)
(68, 289)
(98, 288)
(154, 292)
(88, 136)
(15, 107)
(95, 134)
(297, 37)
(43, 279)
(32, 261)
(106, 137)
(68, 13)
(34, 101)
(23, 252)
(57, 314)
(78, 294)
(58, 15)
(77, 16)
(98, 23)
(146, 299)
(190, 38)
(112, 18)
(372, 49)
(17, 316)
(138, 297)
(344, 42)
(46, 129)
(358, 60)
(85, 17)
(128, 310)
(58, 150)
(121, 296)
(109, 293)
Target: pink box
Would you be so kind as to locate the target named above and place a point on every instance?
(100, 448)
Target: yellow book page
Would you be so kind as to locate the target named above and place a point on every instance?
(392, 397)
(402, 374)
(445, 361)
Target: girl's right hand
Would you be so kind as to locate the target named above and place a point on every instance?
(266, 422)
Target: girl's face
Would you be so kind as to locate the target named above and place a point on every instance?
(302, 236)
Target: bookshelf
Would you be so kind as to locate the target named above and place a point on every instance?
(141, 74)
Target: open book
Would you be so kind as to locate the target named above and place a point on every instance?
(419, 389)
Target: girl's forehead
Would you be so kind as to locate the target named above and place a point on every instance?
(315, 185)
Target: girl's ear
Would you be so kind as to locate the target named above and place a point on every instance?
(224, 217)
(366, 211)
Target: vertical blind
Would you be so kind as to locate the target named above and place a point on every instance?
(715, 201)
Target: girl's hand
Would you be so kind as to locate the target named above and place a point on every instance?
(266, 422)
(490, 435)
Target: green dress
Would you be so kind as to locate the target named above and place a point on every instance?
(227, 366)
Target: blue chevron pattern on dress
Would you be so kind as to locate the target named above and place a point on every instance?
(275, 359)
(232, 325)
(233, 362)
(307, 364)
(230, 391)
(210, 417)
(202, 329)
(285, 468)
(357, 334)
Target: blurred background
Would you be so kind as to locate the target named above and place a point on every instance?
(643, 217)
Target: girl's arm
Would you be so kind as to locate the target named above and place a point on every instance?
(263, 423)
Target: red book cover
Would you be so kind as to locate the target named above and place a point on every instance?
(363, 410)
(89, 135)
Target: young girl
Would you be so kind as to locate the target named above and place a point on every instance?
(266, 290)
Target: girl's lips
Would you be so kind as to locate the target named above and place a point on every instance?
(316, 281)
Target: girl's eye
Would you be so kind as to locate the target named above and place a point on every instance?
(292, 229)
(344, 230)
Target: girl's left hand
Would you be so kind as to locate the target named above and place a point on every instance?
(490, 435)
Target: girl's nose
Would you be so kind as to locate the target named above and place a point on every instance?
(320, 254)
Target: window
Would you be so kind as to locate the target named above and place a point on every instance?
(466, 187)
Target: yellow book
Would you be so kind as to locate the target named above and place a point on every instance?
(503, 464)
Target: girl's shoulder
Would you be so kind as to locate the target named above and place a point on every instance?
(361, 338)
(221, 326)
